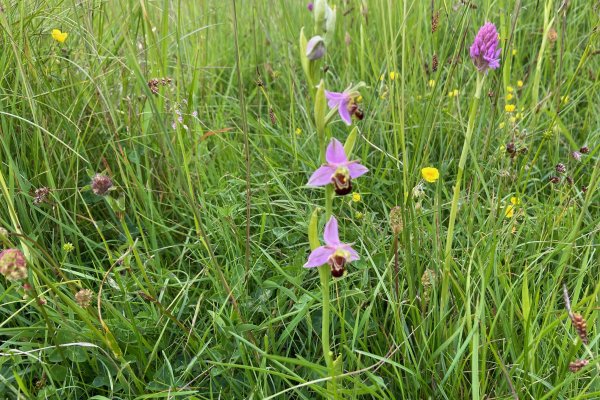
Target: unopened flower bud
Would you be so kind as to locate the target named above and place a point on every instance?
(101, 184)
(84, 298)
(584, 150)
(13, 264)
(561, 168)
(315, 48)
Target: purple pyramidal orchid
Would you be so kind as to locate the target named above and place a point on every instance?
(346, 104)
(334, 253)
(484, 50)
(338, 171)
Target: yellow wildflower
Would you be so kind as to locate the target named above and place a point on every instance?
(59, 36)
(430, 174)
(358, 215)
(515, 201)
(514, 52)
(298, 131)
(431, 83)
(356, 197)
(509, 97)
(68, 247)
(564, 99)
(510, 211)
(501, 125)
(392, 75)
(510, 89)
(509, 108)
(520, 83)
(513, 120)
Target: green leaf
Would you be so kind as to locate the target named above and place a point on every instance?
(320, 109)
(350, 142)
(313, 235)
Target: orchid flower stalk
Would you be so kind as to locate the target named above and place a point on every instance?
(485, 56)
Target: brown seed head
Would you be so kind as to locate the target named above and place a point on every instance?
(577, 365)
(552, 35)
(396, 220)
(434, 63)
(580, 325)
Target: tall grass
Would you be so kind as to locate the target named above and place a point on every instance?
(188, 304)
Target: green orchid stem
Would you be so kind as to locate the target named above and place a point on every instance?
(456, 194)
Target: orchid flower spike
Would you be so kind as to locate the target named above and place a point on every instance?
(346, 103)
(484, 51)
(338, 171)
(334, 253)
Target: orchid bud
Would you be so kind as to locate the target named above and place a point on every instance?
(320, 11)
(315, 48)
(330, 24)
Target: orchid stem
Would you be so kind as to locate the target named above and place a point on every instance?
(456, 194)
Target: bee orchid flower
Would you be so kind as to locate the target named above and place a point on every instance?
(346, 103)
(338, 171)
(335, 253)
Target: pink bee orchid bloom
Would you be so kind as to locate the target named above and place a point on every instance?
(335, 253)
(339, 170)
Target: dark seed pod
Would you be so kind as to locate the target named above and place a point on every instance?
(554, 179)
(434, 63)
(584, 150)
(577, 365)
(561, 168)
(511, 148)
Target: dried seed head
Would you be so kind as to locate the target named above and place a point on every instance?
(428, 280)
(584, 150)
(84, 298)
(13, 264)
(580, 325)
(511, 148)
(434, 63)
(576, 155)
(396, 221)
(101, 184)
(272, 116)
(569, 180)
(561, 168)
(584, 188)
(577, 365)
(435, 21)
(552, 35)
(554, 179)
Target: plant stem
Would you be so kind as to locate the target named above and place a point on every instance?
(456, 194)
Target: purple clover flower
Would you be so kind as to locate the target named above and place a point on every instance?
(310, 6)
(335, 253)
(338, 171)
(484, 50)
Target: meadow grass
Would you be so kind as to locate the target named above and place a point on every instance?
(193, 299)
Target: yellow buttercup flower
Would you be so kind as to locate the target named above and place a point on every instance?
(298, 131)
(509, 96)
(501, 125)
(356, 197)
(519, 83)
(430, 174)
(392, 75)
(431, 83)
(510, 89)
(59, 36)
(510, 211)
(509, 108)
(515, 201)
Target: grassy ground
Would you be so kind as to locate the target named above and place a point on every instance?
(186, 305)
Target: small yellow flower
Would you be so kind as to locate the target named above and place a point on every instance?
(519, 115)
(59, 36)
(68, 247)
(509, 108)
(358, 215)
(382, 77)
(520, 83)
(298, 131)
(501, 125)
(513, 120)
(515, 201)
(514, 52)
(430, 174)
(431, 83)
(564, 99)
(392, 75)
(455, 92)
(510, 89)
(356, 197)
(509, 97)
(510, 211)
